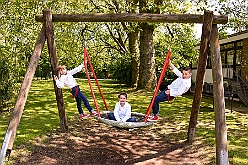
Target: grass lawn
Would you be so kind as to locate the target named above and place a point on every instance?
(41, 116)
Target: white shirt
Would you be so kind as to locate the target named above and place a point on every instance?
(68, 80)
(122, 113)
(180, 85)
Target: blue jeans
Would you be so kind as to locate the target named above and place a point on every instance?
(112, 117)
(161, 97)
(79, 98)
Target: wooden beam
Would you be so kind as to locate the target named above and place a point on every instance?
(201, 71)
(54, 63)
(132, 17)
(23, 94)
(219, 100)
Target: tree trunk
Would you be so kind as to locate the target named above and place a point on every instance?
(134, 50)
(147, 73)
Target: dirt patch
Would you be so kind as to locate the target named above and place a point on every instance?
(90, 142)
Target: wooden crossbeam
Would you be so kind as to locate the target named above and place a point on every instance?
(132, 17)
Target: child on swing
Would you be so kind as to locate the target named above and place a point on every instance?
(122, 111)
(66, 79)
(178, 87)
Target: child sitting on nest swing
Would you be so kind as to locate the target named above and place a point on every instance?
(122, 111)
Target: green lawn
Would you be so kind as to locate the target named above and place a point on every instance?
(41, 116)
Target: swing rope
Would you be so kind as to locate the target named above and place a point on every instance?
(97, 82)
(88, 77)
(87, 61)
(166, 63)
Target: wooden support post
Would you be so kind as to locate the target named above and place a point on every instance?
(219, 101)
(133, 17)
(47, 14)
(201, 70)
(23, 93)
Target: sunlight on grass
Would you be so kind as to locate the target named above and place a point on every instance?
(40, 116)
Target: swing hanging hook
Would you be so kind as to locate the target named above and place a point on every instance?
(171, 34)
(82, 35)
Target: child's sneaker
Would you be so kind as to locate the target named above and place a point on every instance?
(151, 115)
(93, 113)
(153, 118)
(83, 116)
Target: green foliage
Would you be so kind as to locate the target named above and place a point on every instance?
(105, 42)
(17, 36)
(237, 12)
(181, 45)
(122, 69)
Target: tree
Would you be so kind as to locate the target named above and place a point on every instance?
(147, 73)
(235, 9)
(111, 46)
(17, 37)
(133, 37)
(237, 12)
(134, 50)
(124, 38)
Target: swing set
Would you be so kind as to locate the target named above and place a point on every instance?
(210, 37)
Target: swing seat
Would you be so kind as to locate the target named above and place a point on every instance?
(139, 120)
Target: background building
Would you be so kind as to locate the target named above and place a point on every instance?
(234, 55)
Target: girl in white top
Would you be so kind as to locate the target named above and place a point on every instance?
(122, 111)
(66, 79)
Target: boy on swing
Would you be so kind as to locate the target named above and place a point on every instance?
(178, 87)
(66, 78)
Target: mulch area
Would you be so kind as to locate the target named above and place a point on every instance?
(89, 142)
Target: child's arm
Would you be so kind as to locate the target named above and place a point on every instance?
(116, 112)
(171, 65)
(77, 69)
(175, 70)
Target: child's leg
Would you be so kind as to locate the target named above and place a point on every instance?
(131, 119)
(79, 105)
(84, 99)
(161, 97)
(111, 116)
(78, 100)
